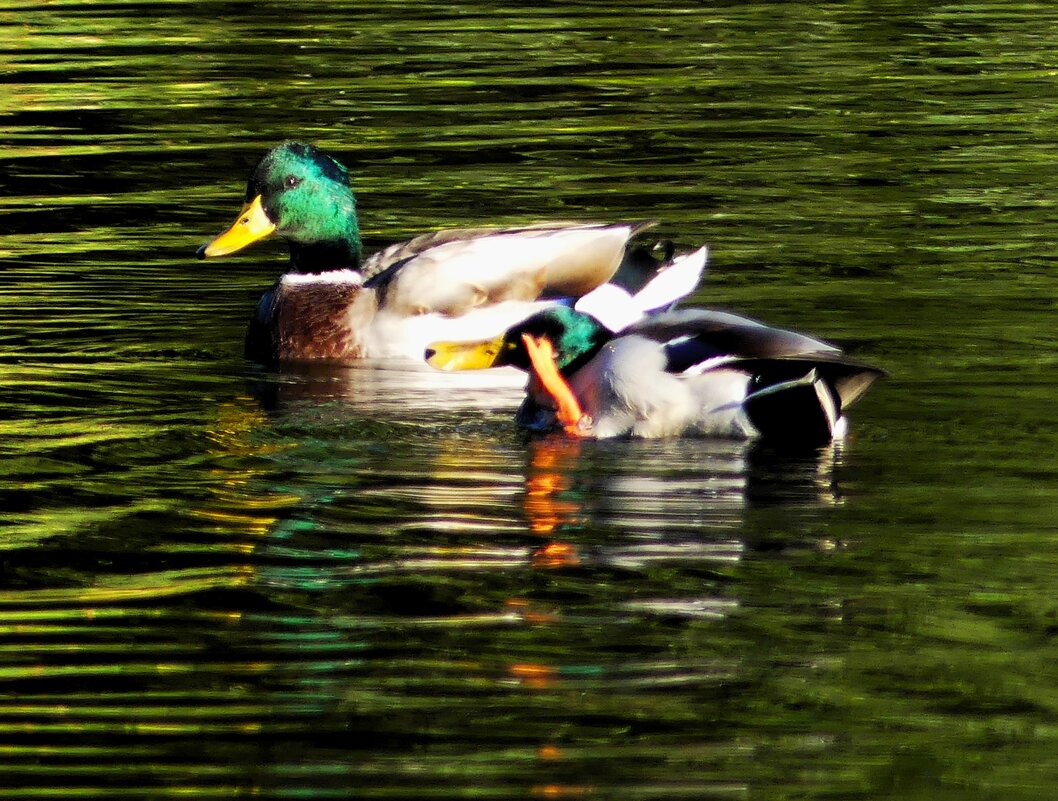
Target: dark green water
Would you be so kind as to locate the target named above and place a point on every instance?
(218, 583)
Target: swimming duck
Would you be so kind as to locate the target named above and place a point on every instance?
(333, 304)
(689, 371)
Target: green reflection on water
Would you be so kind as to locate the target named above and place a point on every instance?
(318, 588)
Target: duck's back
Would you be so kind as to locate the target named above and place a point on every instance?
(451, 272)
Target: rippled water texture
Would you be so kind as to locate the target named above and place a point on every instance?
(355, 583)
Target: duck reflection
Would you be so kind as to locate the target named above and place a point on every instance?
(401, 436)
(410, 551)
(386, 388)
(549, 504)
(660, 491)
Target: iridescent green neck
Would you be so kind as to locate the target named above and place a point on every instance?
(576, 337)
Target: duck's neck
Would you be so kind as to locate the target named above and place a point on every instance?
(319, 257)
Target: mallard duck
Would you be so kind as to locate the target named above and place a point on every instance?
(333, 304)
(689, 371)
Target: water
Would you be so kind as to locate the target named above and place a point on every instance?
(218, 582)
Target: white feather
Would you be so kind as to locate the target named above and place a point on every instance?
(610, 305)
(708, 364)
(673, 283)
(329, 277)
(617, 310)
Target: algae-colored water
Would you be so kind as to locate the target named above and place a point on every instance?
(217, 582)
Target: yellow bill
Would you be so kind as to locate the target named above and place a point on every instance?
(453, 356)
(252, 225)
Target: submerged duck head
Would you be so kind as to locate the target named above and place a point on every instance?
(300, 193)
(574, 338)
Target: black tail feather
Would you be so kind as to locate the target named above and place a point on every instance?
(800, 412)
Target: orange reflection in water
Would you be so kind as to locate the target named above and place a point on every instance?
(534, 675)
(562, 790)
(551, 461)
(520, 606)
(548, 503)
(556, 554)
(550, 753)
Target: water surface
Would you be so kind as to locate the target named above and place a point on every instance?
(222, 582)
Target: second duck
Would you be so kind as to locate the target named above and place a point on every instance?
(691, 371)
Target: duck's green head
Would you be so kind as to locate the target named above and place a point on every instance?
(300, 193)
(575, 337)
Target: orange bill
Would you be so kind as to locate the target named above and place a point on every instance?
(542, 356)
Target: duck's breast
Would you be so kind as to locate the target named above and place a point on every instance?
(322, 316)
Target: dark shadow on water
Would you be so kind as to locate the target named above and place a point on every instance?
(779, 476)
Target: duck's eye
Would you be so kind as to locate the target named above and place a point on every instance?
(292, 181)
